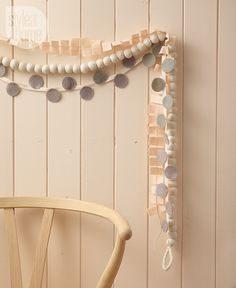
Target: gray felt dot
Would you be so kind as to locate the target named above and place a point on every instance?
(171, 172)
(169, 209)
(87, 93)
(36, 81)
(158, 84)
(168, 65)
(161, 120)
(167, 102)
(161, 157)
(100, 77)
(129, 62)
(161, 190)
(54, 95)
(69, 83)
(121, 80)
(13, 89)
(149, 60)
(156, 49)
(2, 70)
(164, 226)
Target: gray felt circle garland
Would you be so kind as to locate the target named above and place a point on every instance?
(121, 81)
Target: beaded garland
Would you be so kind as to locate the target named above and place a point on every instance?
(157, 51)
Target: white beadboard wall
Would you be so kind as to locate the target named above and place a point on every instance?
(97, 150)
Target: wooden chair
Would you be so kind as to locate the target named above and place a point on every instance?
(50, 204)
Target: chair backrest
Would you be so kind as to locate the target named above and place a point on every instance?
(50, 204)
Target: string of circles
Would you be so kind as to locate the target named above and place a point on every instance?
(36, 82)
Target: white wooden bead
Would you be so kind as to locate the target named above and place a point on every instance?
(14, 64)
(6, 61)
(120, 54)
(161, 36)
(147, 42)
(76, 68)
(114, 58)
(45, 69)
(68, 68)
(100, 63)
(61, 69)
(141, 47)
(128, 53)
(30, 67)
(172, 86)
(53, 68)
(38, 68)
(135, 50)
(154, 38)
(170, 242)
(84, 68)
(22, 66)
(92, 65)
(106, 60)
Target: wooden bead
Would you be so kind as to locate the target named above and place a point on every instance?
(114, 58)
(84, 68)
(141, 47)
(6, 61)
(106, 60)
(14, 64)
(120, 54)
(135, 50)
(45, 69)
(154, 38)
(61, 69)
(161, 36)
(68, 68)
(30, 67)
(128, 53)
(53, 68)
(100, 63)
(147, 42)
(92, 65)
(22, 66)
(76, 68)
(38, 68)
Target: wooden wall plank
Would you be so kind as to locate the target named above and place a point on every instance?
(97, 151)
(29, 152)
(226, 157)
(64, 153)
(6, 153)
(199, 144)
(168, 16)
(131, 149)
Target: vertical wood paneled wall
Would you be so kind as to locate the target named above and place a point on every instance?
(97, 150)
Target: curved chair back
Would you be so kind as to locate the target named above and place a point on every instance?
(50, 204)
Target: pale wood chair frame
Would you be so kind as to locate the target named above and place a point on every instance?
(50, 204)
